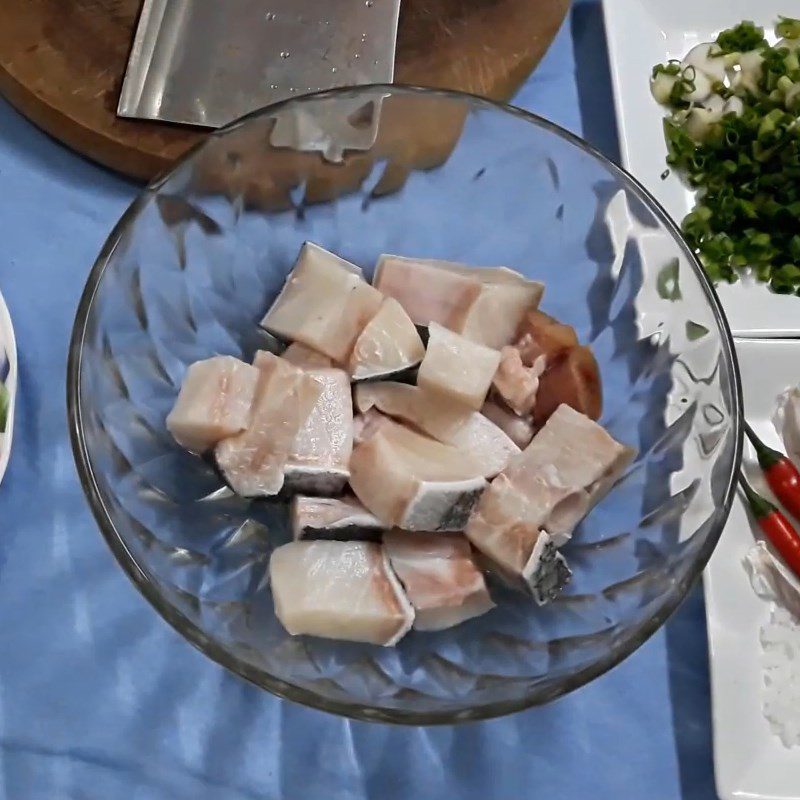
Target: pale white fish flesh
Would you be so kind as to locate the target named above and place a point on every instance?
(214, 402)
(567, 468)
(427, 292)
(518, 429)
(319, 458)
(495, 316)
(484, 442)
(516, 383)
(341, 518)
(339, 590)
(505, 528)
(573, 380)
(430, 413)
(304, 357)
(388, 344)
(253, 461)
(410, 481)
(545, 490)
(324, 304)
(439, 576)
(474, 435)
(485, 304)
(478, 439)
(787, 421)
(456, 368)
(366, 425)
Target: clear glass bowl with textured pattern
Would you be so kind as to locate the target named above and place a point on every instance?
(192, 266)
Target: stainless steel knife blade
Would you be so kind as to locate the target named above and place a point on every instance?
(208, 62)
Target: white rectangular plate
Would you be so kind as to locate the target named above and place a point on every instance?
(642, 33)
(749, 760)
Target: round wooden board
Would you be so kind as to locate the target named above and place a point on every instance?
(62, 62)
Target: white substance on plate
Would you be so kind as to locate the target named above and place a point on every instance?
(706, 58)
(787, 421)
(780, 642)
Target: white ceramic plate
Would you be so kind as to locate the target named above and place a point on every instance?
(640, 34)
(8, 373)
(749, 760)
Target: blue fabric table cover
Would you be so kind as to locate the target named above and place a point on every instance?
(99, 698)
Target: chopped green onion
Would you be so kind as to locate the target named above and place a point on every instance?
(788, 28)
(5, 403)
(745, 36)
(746, 169)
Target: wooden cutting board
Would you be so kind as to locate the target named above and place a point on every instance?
(62, 63)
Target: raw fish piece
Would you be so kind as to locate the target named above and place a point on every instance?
(545, 491)
(388, 344)
(516, 383)
(439, 576)
(366, 425)
(253, 461)
(457, 368)
(484, 442)
(567, 468)
(214, 402)
(496, 314)
(518, 429)
(339, 590)
(340, 518)
(476, 437)
(412, 482)
(426, 292)
(494, 318)
(320, 455)
(304, 357)
(573, 380)
(325, 304)
(485, 304)
(541, 335)
(429, 412)
(505, 528)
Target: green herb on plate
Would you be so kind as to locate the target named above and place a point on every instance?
(733, 134)
(5, 403)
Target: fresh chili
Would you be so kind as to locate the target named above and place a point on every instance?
(782, 476)
(783, 537)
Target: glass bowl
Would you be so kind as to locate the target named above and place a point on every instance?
(197, 258)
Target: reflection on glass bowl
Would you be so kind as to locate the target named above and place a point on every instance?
(193, 264)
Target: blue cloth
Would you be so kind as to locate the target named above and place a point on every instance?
(100, 699)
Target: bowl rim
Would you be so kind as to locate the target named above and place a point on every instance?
(624, 646)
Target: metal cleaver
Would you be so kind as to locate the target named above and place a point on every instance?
(208, 62)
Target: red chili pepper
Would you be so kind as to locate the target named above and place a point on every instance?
(782, 476)
(783, 537)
